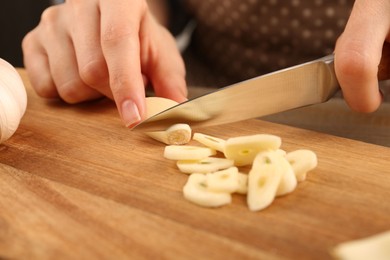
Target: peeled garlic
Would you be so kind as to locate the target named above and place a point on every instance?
(175, 134)
(243, 149)
(188, 152)
(155, 105)
(374, 247)
(289, 182)
(302, 161)
(242, 183)
(207, 165)
(263, 181)
(196, 191)
(210, 141)
(223, 181)
(13, 100)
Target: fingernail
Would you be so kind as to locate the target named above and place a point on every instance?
(130, 113)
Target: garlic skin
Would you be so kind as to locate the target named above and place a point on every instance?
(13, 100)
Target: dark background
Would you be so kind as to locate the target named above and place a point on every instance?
(17, 17)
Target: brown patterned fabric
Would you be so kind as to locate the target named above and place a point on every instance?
(239, 39)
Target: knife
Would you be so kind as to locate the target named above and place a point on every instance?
(301, 85)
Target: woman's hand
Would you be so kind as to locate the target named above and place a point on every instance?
(358, 54)
(82, 50)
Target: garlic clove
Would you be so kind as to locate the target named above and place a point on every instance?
(302, 161)
(242, 183)
(196, 190)
(155, 105)
(263, 181)
(176, 134)
(243, 149)
(13, 100)
(207, 165)
(223, 181)
(188, 152)
(210, 141)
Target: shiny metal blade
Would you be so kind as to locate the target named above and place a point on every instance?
(302, 85)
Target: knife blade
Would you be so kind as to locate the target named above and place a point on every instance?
(301, 85)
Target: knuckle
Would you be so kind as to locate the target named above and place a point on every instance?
(94, 72)
(119, 82)
(356, 65)
(27, 41)
(116, 29)
(49, 15)
(45, 89)
(70, 92)
(49, 21)
(114, 33)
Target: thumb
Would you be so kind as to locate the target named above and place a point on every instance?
(358, 54)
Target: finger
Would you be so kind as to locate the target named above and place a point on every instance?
(120, 22)
(86, 41)
(37, 66)
(165, 67)
(358, 54)
(62, 61)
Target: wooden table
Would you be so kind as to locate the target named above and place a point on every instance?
(76, 184)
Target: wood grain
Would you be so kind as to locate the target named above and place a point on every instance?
(76, 184)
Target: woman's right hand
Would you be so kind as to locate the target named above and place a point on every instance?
(82, 50)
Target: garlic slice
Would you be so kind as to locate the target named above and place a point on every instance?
(263, 181)
(289, 182)
(196, 191)
(187, 152)
(176, 134)
(374, 247)
(243, 149)
(302, 161)
(223, 181)
(210, 141)
(155, 105)
(207, 165)
(242, 183)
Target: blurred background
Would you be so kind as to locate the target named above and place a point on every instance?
(17, 17)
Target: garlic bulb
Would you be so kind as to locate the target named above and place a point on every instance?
(13, 100)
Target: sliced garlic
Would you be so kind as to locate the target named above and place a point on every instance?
(155, 105)
(375, 247)
(243, 149)
(242, 183)
(281, 152)
(188, 152)
(206, 165)
(223, 181)
(196, 191)
(210, 141)
(288, 183)
(176, 134)
(263, 181)
(302, 161)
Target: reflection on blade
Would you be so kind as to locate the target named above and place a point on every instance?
(298, 86)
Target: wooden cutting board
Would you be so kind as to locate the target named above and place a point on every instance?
(76, 184)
